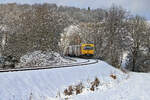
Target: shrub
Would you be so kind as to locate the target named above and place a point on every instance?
(94, 84)
(68, 91)
(92, 88)
(113, 76)
(79, 88)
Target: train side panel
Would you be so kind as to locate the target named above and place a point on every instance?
(73, 50)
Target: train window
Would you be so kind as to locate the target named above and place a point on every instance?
(88, 48)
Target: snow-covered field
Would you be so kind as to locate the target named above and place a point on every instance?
(49, 84)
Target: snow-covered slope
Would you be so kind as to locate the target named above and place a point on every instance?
(49, 83)
(136, 87)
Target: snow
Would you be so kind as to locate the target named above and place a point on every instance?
(48, 83)
(71, 30)
(39, 58)
(68, 35)
(124, 59)
(135, 88)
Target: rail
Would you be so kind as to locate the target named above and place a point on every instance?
(87, 62)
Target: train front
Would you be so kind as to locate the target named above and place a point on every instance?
(87, 50)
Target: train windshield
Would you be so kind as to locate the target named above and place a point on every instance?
(88, 47)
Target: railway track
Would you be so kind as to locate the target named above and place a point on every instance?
(87, 62)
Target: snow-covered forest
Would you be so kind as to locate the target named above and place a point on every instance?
(48, 27)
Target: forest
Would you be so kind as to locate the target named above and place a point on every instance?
(114, 31)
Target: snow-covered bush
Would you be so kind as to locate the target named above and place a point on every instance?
(94, 84)
(41, 58)
(79, 88)
(68, 91)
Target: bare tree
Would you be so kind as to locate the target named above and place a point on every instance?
(115, 32)
(137, 34)
(38, 28)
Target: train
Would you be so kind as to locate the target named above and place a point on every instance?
(83, 50)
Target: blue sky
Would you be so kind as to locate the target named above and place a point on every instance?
(140, 7)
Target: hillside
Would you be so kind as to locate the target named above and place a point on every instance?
(135, 88)
(50, 84)
(44, 84)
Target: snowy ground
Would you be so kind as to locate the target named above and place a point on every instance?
(136, 87)
(47, 84)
